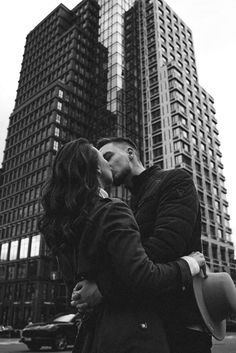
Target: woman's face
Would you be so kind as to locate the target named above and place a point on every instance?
(105, 170)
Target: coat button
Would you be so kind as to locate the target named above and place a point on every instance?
(143, 325)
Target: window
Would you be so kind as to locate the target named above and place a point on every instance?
(14, 249)
(208, 138)
(60, 93)
(225, 209)
(186, 147)
(185, 134)
(214, 251)
(177, 145)
(203, 147)
(178, 159)
(57, 132)
(219, 219)
(205, 248)
(198, 168)
(35, 245)
(196, 153)
(190, 104)
(4, 251)
(22, 270)
(192, 116)
(176, 132)
(157, 139)
(220, 233)
(55, 145)
(222, 253)
(11, 273)
(32, 269)
(24, 248)
(2, 272)
(213, 165)
(213, 232)
(59, 105)
(189, 93)
(58, 118)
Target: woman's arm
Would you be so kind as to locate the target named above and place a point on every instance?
(121, 238)
(131, 273)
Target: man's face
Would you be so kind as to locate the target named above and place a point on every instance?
(118, 159)
(105, 169)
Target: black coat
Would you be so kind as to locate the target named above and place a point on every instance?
(166, 207)
(111, 241)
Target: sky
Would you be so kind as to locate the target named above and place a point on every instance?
(214, 31)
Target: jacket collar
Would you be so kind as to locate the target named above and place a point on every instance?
(138, 181)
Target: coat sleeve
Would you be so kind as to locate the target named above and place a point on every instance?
(121, 239)
(177, 219)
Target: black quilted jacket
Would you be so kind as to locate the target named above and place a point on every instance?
(166, 207)
(167, 210)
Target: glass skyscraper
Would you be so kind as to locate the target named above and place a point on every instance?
(112, 37)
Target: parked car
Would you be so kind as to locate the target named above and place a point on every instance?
(231, 325)
(9, 332)
(57, 333)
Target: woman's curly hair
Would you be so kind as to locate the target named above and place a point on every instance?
(68, 194)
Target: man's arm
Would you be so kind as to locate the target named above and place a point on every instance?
(86, 294)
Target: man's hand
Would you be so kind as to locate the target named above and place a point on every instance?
(199, 257)
(85, 295)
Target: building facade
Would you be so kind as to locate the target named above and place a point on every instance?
(164, 106)
(61, 96)
(179, 118)
(120, 67)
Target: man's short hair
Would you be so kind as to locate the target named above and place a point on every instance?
(119, 140)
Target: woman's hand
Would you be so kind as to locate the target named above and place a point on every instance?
(85, 296)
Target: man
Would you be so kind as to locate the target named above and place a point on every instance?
(166, 208)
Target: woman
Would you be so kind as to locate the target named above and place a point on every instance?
(89, 232)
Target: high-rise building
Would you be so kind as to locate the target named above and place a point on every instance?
(179, 122)
(138, 79)
(61, 95)
(165, 107)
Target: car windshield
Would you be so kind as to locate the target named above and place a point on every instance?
(64, 318)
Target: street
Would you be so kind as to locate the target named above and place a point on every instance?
(11, 345)
(228, 345)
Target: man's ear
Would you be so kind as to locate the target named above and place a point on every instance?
(130, 153)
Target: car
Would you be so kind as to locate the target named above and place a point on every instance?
(57, 333)
(231, 325)
(8, 332)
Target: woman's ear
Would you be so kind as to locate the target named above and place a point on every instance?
(99, 172)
